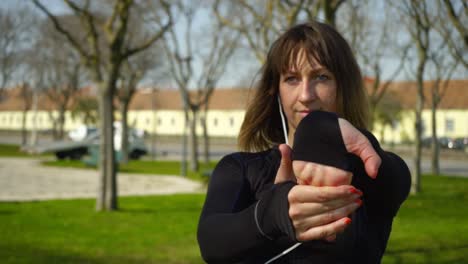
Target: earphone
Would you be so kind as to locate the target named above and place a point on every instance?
(285, 132)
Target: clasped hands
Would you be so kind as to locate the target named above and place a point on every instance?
(320, 205)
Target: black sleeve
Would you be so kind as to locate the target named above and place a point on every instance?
(232, 223)
(389, 190)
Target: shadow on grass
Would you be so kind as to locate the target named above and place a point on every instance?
(158, 210)
(7, 212)
(430, 255)
(425, 250)
(29, 254)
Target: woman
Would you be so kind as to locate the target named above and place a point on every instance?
(329, 199)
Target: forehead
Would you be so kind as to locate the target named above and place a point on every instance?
(302, 61)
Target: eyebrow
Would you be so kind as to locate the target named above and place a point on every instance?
(315, 70)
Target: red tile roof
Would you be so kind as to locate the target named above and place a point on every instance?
(456, 97)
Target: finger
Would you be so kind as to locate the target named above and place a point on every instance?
(356, 143)
(312, 194)
(302, 210)
(315, 174)
(325, 218)
(321, 232)
(285, 171)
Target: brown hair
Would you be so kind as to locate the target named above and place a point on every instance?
(262, 126)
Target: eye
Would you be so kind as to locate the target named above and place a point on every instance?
(322, 77)
(291, 80)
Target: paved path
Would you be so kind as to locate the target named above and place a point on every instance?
(25, 179)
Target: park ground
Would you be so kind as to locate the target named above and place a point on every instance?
(431, 227)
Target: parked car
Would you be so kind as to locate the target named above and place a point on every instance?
(444, 142)
(460, 143)
(77, 149)
(81, 132)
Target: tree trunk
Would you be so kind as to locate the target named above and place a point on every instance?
(61, 123)
(206, 139)
(33, 137)
(183, 163)
(416, 175)
(435, 142)
(125, 135)
(24, 132)
(107, 187)
(194, 166)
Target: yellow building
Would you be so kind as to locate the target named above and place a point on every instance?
(161, 112)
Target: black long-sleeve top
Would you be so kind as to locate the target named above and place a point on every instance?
(245, 216)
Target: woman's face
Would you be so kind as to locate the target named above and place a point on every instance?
(310, 88)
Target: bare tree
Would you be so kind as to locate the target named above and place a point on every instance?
(104, 48)
(62, 76)
(371, 37)
(419, 25)
(455, 33)
(223, 45)
(183, 57)
(15, 25)
(444, 68)
(26, 94)
(261, 23)
(133, 71)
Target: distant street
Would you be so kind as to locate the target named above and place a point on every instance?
(170, 148)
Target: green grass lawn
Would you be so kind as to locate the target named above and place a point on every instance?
(14, 150)
(157, 229)
(430, 228)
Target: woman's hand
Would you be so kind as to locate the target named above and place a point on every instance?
(317, 212)
(321, 212)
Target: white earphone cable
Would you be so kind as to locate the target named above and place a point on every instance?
(287, 142)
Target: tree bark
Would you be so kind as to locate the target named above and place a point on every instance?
(435, 143)
(61, 122)
(206, 139)
(125, 134)
(183, 164)
(416, 176)
(24, 132)
(107, 189)
(194, 166)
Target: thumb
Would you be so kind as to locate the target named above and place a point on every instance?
(285, 171)
(359, 145)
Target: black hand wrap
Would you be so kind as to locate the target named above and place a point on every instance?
(318, 139)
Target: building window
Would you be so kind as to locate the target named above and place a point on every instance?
(231, 121)
(159, 121)
(449, 125)
(172, 121)
(147, 121)
(215, 121)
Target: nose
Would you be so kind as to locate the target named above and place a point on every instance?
(307, 92)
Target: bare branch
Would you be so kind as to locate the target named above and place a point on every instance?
(59, 28)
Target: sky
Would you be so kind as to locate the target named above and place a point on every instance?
(241, 69)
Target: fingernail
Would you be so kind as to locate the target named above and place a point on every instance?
(359, 202)
(356, 191)
(347, 221)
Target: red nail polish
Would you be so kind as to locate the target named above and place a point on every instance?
(347, 221)
(359, 202)
(356, 191)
